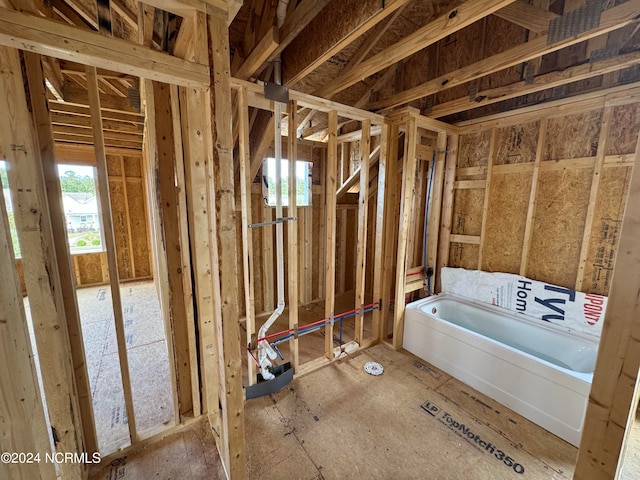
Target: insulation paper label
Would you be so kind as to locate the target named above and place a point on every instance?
(542, 301)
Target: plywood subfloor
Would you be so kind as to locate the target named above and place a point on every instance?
(189, 454)
(340, 422)
(147, 355)
(631, 457)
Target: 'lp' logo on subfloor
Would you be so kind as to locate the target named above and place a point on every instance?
(430, 408)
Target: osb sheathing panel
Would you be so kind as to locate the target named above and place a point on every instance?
(133, 166)
(474, 149)
(467, 211)
(89, 268)
(623, 132)
(516, 144)
(506, 219)
(501, 35)
(464, 255)
(603, 243)
(138, 225)
(114, 165)
(415, 14)
(341, 20)
(573, 136)
(458, 50)
(562, 201)
(118, 213)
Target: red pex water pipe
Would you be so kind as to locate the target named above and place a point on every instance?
(313, 324)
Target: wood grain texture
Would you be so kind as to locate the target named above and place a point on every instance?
(613, 399)
(31, 213)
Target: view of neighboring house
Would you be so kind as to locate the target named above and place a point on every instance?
(82, 217)
(81, 211)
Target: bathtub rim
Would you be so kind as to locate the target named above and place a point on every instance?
(582, 377)
(528, 319)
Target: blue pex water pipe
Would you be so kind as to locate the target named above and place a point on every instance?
(304, 331)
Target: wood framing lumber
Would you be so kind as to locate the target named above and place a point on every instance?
(44, 133)
(408, 194)
(83, 111)
(185, 252)
(363, 211)
(296, 21)
(197, 151)
(354, 179)
(86, 132)
(349, 20)
(448, 23)
(247, 235)
(21, 401)
(320, 104)
(85, 122)
(35, 234)
(54, 76)
(435, 207)
(63, 10)
(528, 16)
(292, 233)
(593, 195)
(257, 154)
(390, 227)
(611, 19)
(80, 96)
(355, 135)
(127, 15)
(378, 245)
(52, 38)
(470, 239)
(330, 231)
(446, 218)
(175, 308)
(83, 12)
(110, 244)
(229, 327)
(186, 8)
(258, 55)
(613, 399)
(82, 139)
(541, 82)
(487, 194)
(372, 38)
(184, 41)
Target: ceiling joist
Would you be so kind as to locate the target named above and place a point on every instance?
(532, 18)
(611, 19)
(49, 37)
(450, 22)
(349, 20)
(539, 83)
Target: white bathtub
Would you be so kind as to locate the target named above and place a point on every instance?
(540, 371)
